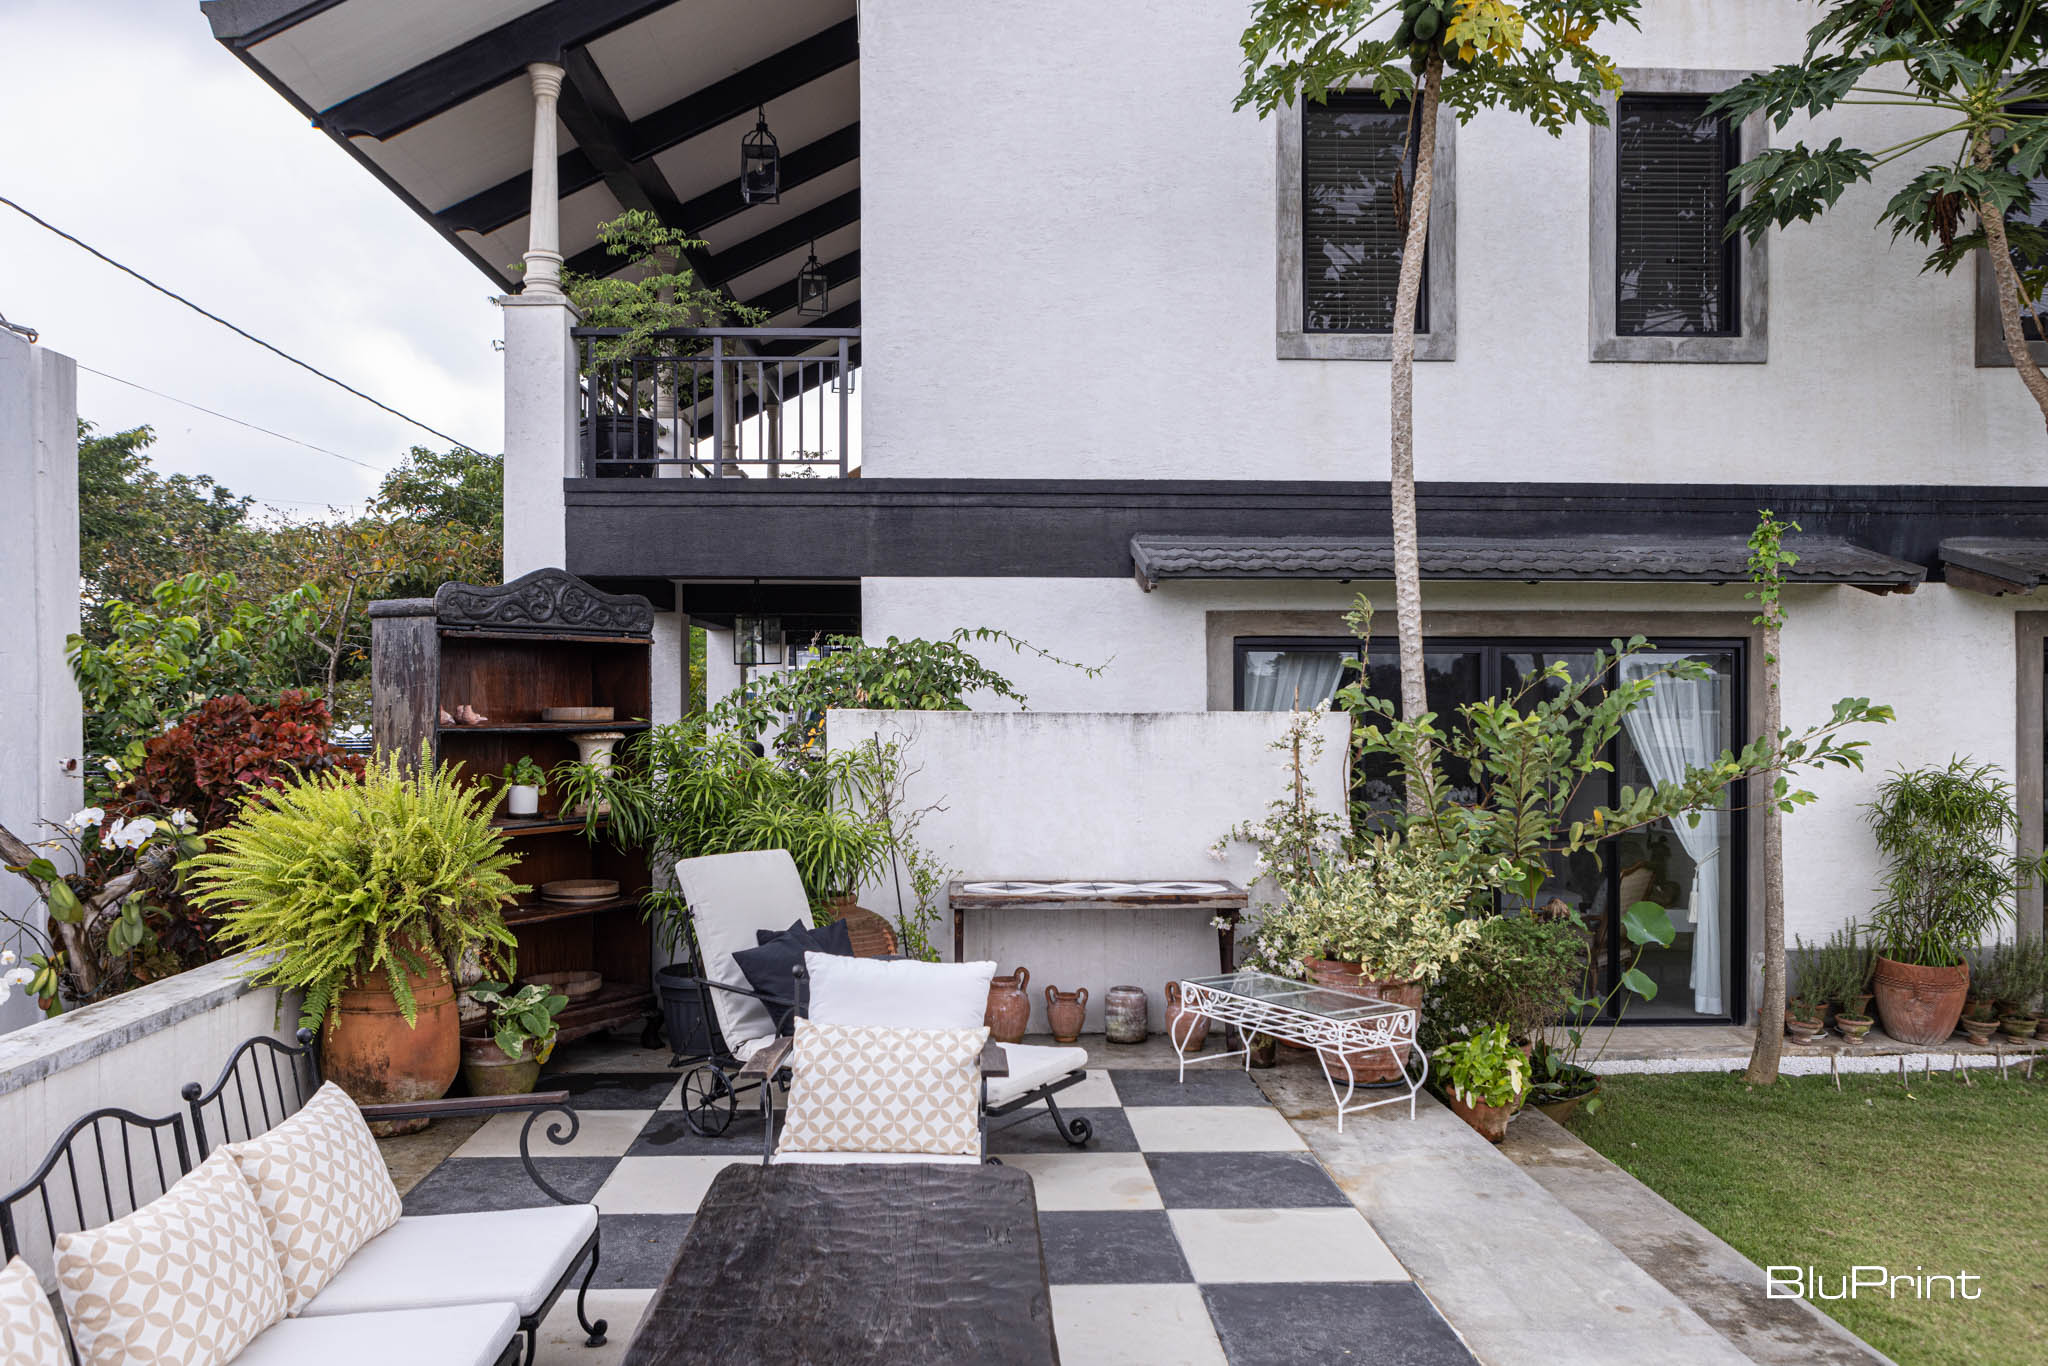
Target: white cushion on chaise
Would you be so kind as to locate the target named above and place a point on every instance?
(426, 1261)
(886, 1159)
(457, 1335)
(731, 897)
(1032, 1066)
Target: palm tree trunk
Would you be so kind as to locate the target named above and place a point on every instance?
(1407, 549)
(2009, 292)
(1770, 1027)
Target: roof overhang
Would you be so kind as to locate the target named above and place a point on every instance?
(1995, 565)
(1575, 559)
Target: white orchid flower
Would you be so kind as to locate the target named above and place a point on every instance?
(111, 765)
(132, 834)
(18, 977)
(88, 818)
(183, 821)
(6, 958)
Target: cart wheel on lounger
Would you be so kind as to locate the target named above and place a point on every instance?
(708, 1102)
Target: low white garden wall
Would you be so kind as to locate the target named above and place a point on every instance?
(1090, 795)
(134, 1051)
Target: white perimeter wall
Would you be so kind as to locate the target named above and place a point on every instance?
(1068, 258)
(1040, 795)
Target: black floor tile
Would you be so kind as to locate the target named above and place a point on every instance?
(1285, 1325)
(1032, 1131)
(1111, 1247)
(464, 1185)
(636, 1250)
(1216, 1084)
(612, 1090)
(667, 1134)
(1242, 1181)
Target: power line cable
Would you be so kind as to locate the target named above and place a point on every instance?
(279, 351)
(200, 407)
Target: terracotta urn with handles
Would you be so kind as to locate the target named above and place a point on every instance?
(1064, 1011)
(1009, 1009)
(1187, 1028)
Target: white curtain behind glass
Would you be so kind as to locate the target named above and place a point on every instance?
(1308, 675)
(1678, 728)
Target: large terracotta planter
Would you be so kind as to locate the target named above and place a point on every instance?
(1365, 1066)
(1920, 1005)
(1009, 1010)
(1489, 1121)
(370, 1052)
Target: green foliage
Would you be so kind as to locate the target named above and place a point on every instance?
(1391, 907)
(459, 487)
(654, 290)
(1835, 971)
(1947, 834)
(1519, 971)
(341, 878)
(1486, 1069)
(915, 875)
(524, 772)
(1296, 836)
(1768, 561)
(1567, 1070)
(521, 1016)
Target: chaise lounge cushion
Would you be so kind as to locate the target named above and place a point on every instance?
(189, 1279)
(731, 898)
(29, 1333)
(899, 993)
(323, 1188)
(885, 1159)
(467, 1335)
(868, 1089)
(428, 1261)
(1032, 1066)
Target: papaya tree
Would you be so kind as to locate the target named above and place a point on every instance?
(1533, 57)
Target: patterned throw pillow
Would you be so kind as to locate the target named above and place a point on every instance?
(873, 1089)
(29, 1332)
(189, 1279)
(323, 1189)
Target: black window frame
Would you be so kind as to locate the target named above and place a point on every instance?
(1361, 101)
(1730, 309)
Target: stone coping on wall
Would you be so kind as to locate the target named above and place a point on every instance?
(34, 1052)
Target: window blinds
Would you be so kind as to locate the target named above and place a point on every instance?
(1675, 271)
(1351, 150)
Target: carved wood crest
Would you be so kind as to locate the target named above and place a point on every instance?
(545, 600)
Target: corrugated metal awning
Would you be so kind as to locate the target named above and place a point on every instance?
(1995, 564)
(1583, 559)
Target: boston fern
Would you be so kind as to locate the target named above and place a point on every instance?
(340, 878)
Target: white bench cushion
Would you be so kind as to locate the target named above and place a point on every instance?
(1032, 1066)
(424, 1261)
(462, 1335)
(900, 994)
(889, 1159)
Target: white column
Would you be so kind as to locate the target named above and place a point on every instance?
(540, 429)
(544, 216)
(41, 723)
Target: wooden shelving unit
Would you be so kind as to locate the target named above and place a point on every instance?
(546, 640)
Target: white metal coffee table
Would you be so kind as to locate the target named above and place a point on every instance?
(1335, 1023)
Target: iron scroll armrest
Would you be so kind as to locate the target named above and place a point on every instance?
(540, 1103)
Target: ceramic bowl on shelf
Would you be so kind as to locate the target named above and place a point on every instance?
(576, 714)
(576, 986)
(580, 889)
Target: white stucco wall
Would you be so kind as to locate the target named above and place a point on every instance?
(1109, 223)
(1089, 795)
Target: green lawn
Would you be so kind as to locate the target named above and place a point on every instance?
(1943, 1176)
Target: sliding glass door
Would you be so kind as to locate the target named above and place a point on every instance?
(1694, 870)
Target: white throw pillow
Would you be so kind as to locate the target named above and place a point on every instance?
(873, 1089)
(190, 1279)
(905, 994)
(323, 1189)
(29, 1332)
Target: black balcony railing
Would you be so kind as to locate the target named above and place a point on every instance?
(718, 403)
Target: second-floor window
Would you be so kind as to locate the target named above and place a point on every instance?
(1676, 269)
(1353, 150)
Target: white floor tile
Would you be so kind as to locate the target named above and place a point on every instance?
(602, 1133)
(674, 1099)
(1117, 1325)
(561, 1336)
(1094, 1090)
(663, 1185)
(1212, 1129)
(1270, 1245)
(1081, 1181)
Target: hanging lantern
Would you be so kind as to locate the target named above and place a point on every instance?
(760, 164)
(813, 290)
(756, 641)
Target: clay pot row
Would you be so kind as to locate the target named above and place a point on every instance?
(1126, 1013)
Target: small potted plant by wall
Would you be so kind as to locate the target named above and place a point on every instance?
(1947, 835)
(363, 894)
(1804, 1020)
(520, 1034)
(1484, 1079)
(524, 781)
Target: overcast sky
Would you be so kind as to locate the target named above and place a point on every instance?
(127, 125)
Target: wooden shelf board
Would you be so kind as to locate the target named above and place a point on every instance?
(535, 911)
(615, 1003)
(543, 825)
(544, 728)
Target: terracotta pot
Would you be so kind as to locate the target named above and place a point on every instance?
(370, 1052)
(490, 1073)
(1009, 1009)
(1920, 1005)
(1852, 1027)
(2041, 1029)
(1365, 1066)
(1489, 1121)
(1185, 1027)
(1803, 1030)
(1064, 1011)
(1266, 1052)
(1124, 1012)
(1980, 1031)
(2019, 1026)
(1563, 1109)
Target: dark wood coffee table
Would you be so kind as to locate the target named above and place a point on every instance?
(914, 1265)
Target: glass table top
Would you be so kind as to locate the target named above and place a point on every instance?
(1329, 1003)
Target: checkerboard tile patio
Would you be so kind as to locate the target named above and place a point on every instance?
(1196, 1228)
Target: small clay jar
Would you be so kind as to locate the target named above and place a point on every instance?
(1009, 1009)
(1064, 1011)
(1187, 1028)
(1123, 1015)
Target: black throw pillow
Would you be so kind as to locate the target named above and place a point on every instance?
(770, 967)
(836, 937)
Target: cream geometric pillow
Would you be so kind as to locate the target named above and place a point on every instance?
(874, 1089)
(189, 1279)
(29, 1333)
(323, 1188)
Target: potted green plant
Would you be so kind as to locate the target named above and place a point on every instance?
(1484, 1079)
(1948, 836)
(524, 781)
(362, 894)
(520, 1035)
(1564, 1080)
